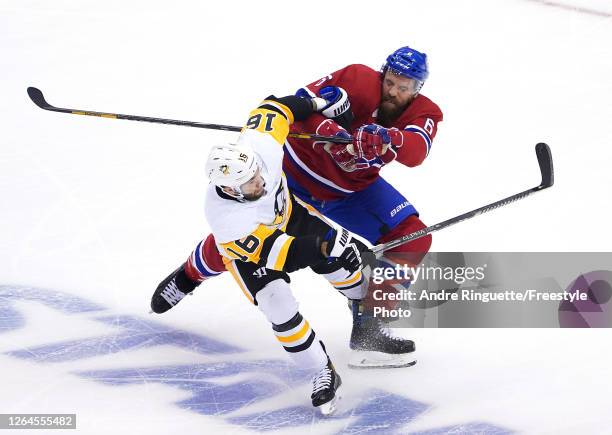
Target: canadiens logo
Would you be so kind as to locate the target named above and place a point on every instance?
(224, 169)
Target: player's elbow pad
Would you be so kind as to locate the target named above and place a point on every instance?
(300, 107)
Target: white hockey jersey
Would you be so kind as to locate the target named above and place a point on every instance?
(247, 231)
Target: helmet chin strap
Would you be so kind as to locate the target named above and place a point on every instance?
(235, 193)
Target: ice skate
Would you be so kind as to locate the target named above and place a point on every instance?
(374, 346)
(325, 385)
(172, 290)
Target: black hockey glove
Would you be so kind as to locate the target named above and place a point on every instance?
(347, 249)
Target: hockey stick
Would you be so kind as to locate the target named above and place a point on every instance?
(546, 169)
(38, 98)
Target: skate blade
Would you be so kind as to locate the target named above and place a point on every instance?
(380, 360)
(330, 407)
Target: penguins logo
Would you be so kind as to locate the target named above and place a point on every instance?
(224, 169)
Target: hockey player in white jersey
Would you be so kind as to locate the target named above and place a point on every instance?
(263, 233)
(271, 248)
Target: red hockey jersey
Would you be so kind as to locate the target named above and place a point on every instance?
(313, 168)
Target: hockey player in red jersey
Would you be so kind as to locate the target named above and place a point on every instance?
(388, 99)
(388, 119)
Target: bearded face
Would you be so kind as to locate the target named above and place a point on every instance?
(396, 93)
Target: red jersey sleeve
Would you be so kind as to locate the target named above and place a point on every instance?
(419, 126)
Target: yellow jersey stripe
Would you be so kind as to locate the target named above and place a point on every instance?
(282, 254)
(314, 212)
(288, 113)
(347, 282)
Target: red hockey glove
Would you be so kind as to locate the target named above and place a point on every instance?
(341, 153)
(375, 145)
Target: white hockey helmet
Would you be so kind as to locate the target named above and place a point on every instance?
(231, 165)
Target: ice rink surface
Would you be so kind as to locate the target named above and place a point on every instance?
(96, 212)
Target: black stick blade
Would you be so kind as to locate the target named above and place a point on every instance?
(546, 164)
(37, 97)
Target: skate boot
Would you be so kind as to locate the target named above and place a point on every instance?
(325, 386)
(172, 290)
(373, 344)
